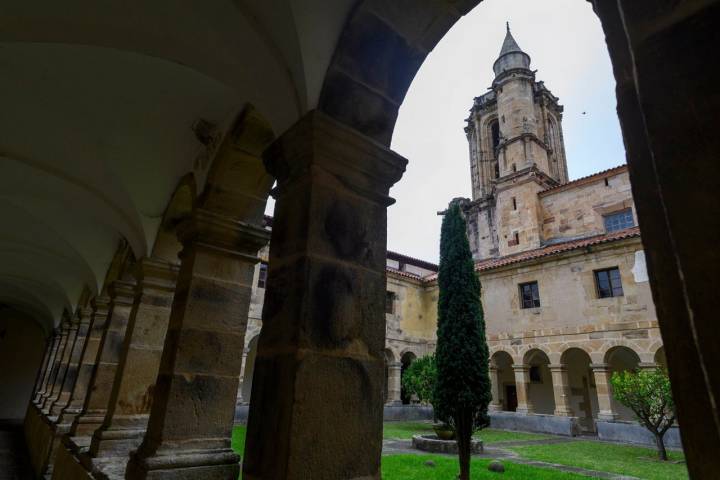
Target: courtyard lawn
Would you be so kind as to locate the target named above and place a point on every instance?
(412, 467)
(405, 431)
(238, 439)
(621, 459)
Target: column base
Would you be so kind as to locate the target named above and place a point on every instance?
(116, 442)
(525, 410)
(222, 464)
(607, 416)
(564, 412)
(86, 424)
(495, 407)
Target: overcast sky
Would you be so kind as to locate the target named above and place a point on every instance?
(567, 47)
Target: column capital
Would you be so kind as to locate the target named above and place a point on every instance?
(395, 365)
(122, 292)
(100, 304)
(521, 367)
(600, 367)
(155, 274)
(648, 365)
(560, 367)
(357, 162)
(223, 233)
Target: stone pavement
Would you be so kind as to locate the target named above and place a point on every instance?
(499, 451)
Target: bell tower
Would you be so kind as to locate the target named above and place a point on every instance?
(514, 133)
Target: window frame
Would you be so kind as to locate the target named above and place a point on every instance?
(535, 295)
(625, 214)
(262, 275)
(612, 288)
(390, 298)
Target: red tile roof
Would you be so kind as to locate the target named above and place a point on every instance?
(558, 248)
(583, 180)
(550, 250)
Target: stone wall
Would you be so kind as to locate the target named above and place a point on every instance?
(578, 211)
(568, 296)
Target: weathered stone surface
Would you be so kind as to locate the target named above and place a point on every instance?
(432, 444)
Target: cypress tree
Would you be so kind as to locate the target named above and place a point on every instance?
(462, 390)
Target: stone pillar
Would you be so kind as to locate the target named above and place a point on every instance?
(47, 373)
(522, 387)
(561, 390)
(43, 366)
(495, 385)
(73, 327)
(59, 351)
(602, 373)
(317, 398)
(98, 397)
(71, 371)
(88, 357)
(191, 418)
(394, 383)
(135, 376)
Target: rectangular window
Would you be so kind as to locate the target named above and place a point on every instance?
(608, 283)
(529, 295)
(619, 220)
(514, 203)
(262, 276)
(390, 302)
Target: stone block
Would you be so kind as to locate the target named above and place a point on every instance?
(556, 425)
(632, 432)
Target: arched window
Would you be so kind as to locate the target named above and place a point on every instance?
(494, 135)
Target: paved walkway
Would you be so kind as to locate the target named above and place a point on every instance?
(498, 450)
(14, 462)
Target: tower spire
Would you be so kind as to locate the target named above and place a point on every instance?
(507, 24)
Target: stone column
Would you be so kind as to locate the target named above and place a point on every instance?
(59, 351)
(43, 366)
(73, 326)
(71, 371)
(602, 373)
(522, 387)
(496, 402)
(98, 397)
(47, 373)
(317, 399)
(135, 376)
(88, 357)
(191, 418)
(394, 383)
(561, 390)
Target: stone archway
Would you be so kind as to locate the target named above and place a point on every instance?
(540, 396)
(406, 359)
(502, 378)
(620, 359)
(583, 399)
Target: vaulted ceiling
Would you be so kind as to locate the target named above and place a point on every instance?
(98, 102)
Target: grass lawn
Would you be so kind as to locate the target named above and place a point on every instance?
(622, 459)
(412, 467)
(405, 431)
(238, 439)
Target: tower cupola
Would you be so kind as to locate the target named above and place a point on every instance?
(511, 55)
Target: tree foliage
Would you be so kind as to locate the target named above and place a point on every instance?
(462, 391)
(647, 393)
(419, 378)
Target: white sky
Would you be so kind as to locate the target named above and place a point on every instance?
(567, 47)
